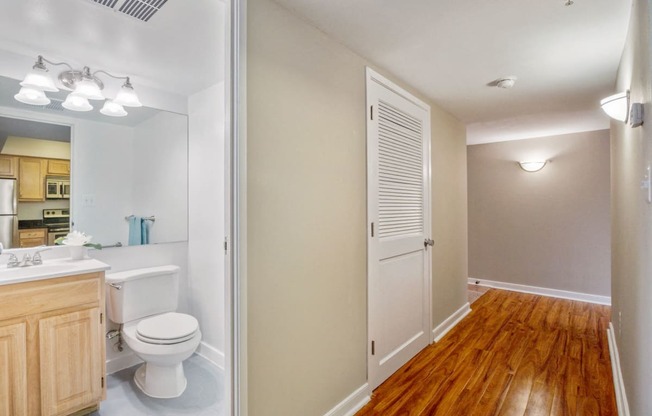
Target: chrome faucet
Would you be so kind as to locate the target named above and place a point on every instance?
(13, 261)
(36, 257)
(33, 260)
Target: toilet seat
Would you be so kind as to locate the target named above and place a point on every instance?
(166, 329)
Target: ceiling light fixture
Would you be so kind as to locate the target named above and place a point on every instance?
(85, 85)
(533, 166)
(569, 3)
(503, 82)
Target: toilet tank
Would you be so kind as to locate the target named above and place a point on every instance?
(135, 294)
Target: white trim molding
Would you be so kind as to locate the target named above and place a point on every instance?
(353, 403)
(543, 291)
(212, 354)
(619, 385)
(450, 322)
(125, 360)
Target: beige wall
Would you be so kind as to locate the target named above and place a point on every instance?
(306, 197)
(549, 228)
(25, 146)
(631, 153)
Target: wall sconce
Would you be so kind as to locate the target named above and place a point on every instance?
(618, 107)
(534, 166)
(85, 86)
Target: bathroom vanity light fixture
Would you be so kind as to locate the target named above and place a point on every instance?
(532, 166)
(84, 86)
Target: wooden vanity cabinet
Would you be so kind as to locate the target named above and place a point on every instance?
(52, 346)
(8, 166)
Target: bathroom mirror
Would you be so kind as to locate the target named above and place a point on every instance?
(120, 167)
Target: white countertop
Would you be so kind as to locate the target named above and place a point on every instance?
(50, 269)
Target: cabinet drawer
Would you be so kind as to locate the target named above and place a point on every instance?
(31, 242)
(43, 296)
(38, 233)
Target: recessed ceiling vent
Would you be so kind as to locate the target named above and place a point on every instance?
(138, 9)
(108, 3)
(55, 105)
(142, 9)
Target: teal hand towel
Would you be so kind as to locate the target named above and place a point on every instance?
(145, 224)
(135, 230)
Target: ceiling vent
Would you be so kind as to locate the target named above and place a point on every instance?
(108, 3)
(139, 9)
(54, 105)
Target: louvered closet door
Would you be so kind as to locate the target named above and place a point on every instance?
(398, 146)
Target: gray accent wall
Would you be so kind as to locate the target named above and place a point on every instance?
(550, 228)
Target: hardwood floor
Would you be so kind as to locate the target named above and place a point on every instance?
(514, 354)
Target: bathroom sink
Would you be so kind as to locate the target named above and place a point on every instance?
(49, 269)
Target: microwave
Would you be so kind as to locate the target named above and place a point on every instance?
(57, 188)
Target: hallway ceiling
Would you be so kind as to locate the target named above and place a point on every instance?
(565, 57)
(180, 49)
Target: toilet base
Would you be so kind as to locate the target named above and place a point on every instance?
(161, 382)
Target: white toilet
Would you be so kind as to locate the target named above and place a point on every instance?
(145, 301)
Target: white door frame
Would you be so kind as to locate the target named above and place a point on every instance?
(236, 209)
(372, 255)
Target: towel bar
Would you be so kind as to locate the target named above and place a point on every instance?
(152, 218)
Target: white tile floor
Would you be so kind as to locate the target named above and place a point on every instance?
(204, 395)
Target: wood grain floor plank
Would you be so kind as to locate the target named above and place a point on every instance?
(514, 354)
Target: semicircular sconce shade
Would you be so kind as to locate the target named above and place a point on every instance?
(533, 166)
(616, 106)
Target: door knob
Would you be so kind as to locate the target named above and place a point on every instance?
(428, 242)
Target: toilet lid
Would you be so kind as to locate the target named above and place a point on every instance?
(167, 328)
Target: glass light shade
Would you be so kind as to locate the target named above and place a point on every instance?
(127, 97)
(616, 106)
(532, 166)
(39, 79)
(112, 109)
(76, 103)
(32, 96)
(88, 89)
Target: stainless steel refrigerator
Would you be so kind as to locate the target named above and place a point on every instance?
(8, 215)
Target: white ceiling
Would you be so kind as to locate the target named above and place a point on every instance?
(565, 57)
(180, 49)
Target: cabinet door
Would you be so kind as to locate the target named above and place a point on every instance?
(59, 167)
(7, 166)
(71, 362)
(13, 370)
(31, 179)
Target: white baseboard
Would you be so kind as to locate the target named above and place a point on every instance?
(450, 322)
(125, 360)
(212, 354)
(353, 403)
(554, 293)
(129, 359)
(619, 386)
